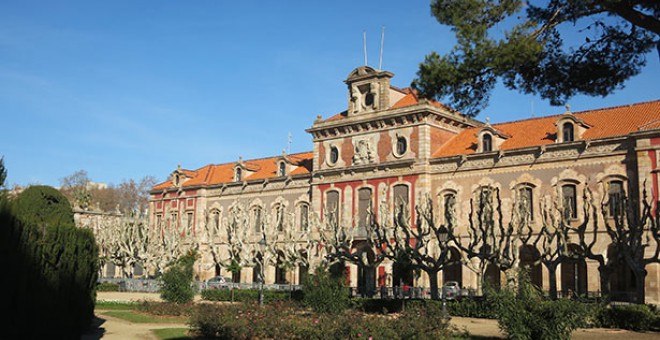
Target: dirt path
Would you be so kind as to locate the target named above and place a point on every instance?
(110, 328)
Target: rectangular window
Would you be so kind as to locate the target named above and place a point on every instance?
(569, 196)
(189, 222)
(174, 220)
(364, 207)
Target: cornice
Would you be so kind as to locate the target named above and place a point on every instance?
(380, 120)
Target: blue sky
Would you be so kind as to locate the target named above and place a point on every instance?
(125, 89)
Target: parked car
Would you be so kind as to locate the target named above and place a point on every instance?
(451, 290)
(217, 282)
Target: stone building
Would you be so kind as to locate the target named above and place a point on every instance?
(391, 146)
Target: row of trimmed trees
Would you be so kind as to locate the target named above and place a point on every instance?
(49, 266)
(422, 243)
(631, 228)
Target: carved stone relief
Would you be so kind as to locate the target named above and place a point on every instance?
(364, 152)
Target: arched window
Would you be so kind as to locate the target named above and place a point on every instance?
(282, 169)
(486, 142)
(525, 202)
(448, 206)
(401, 200)
(365, 210)
(332, 207)
(334, 154)
(304, 217)
(279, 217)
(238, 176)
(616, 199)
(401, 145)
(569, 199)
(256, 219)
(567, 132)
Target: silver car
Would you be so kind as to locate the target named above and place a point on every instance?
(451, 290)
(217, 282)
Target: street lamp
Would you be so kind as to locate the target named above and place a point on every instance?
(262, 250)
(443, 235)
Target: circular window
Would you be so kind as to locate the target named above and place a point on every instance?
(401, 146)
(334, 154)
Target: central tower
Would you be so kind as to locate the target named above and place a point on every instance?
(368, 90)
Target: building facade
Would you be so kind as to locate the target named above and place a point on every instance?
(391, 148)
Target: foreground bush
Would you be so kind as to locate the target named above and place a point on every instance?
(284, 321)
(177, 280)
(325, 293)
(524, 313)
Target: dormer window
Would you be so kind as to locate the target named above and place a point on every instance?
(238, 175)
(281, 170)
(568, 132)
(570, 128)
(486, 143)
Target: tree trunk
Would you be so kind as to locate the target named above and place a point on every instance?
(604, 281)
(433, 282)
(552, 278)
(640, 292)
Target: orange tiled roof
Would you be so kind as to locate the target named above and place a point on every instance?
(606, 122)
(258, 169)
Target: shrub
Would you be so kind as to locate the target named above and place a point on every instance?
(177, 280)
(383, 306)
(631, 317)
(525, 314)
(472, 307)
(325, 293)
(107, 287)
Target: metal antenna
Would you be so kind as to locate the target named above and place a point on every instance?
(382, 43)
(289, 144)
(365, 47)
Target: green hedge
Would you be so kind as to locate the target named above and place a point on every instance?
(49, 268)
(107, 287)
(284, 321)
(631, 317)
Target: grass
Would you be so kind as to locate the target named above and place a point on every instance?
(137, 317)
(172, 334)
(113, 305)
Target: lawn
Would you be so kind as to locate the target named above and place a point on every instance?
(139, 317)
